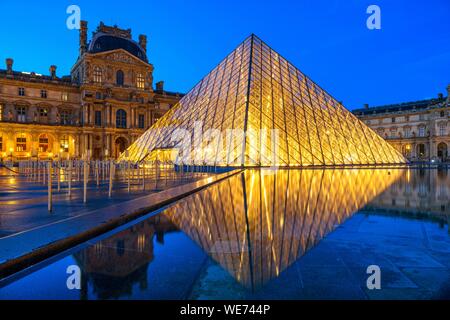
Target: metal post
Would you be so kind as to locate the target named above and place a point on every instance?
(70, 178)
(128, 174)
(50, 204)
(58, 168)
(111, 166)
(85, 180)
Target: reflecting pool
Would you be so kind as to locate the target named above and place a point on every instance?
(275, 234)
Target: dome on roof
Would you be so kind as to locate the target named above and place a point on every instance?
(105, 42)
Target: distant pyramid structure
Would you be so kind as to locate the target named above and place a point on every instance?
(257, 109)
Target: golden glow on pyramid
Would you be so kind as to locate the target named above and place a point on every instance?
(257, 223)
(257, 109)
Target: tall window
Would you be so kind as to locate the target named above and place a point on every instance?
(141, 121)
(119, 77)
(21, 142)
(21, 92)
(43, 114)
(121, 119)
(140, 81)
(64, 143)
(44, 94)
(43, 143)
(422, 131)
(421, 150)
(1, 143)
(1, 112)
(442, 129)
(97, 75)
(64, 96)
(98, 118)
(21, 113)
(407, 132)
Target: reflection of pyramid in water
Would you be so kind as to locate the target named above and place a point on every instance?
(256, 90)
(256, 224)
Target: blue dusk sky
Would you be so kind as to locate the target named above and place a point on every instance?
(408, 59)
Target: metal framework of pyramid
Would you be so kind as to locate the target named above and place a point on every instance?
(257, 109)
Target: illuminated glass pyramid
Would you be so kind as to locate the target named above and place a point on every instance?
(257, 109)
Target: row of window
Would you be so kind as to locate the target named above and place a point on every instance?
(421, 118)
(64, 95)
(121, 119)
(44, 143)
(120, 78)
(421, 132)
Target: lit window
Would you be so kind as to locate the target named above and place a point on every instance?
(1, 112)
(140, 81)
(43, 112)
(21, 142)
(44, 94)
(21, 92)
(97, 75)
(64, 96)
(1, 143)
(64, 143)
(43, 143)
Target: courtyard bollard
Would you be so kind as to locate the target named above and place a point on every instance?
(43, 174)
(143, 178)
(50, 198)
(70, 178)
(85, 180)
(97, 173)
(58, 168)
(111, 166)
(128, 175)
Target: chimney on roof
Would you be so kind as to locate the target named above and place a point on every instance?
(53, 71)
(440, 96)
(160, 86)
(143, 42)
(83, 37)
(9, 64)
(366, 106)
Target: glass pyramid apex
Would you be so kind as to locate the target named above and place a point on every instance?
(257, 109)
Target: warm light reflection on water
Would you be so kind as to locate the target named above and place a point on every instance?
(257, 223)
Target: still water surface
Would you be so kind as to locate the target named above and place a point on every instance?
(285, 234)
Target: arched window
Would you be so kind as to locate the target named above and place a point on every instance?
(43, 143)
(140, 81)
(1, 143)
(119, 77)
(98, 75)
(121, 119)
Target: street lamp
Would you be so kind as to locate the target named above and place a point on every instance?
(11, 153)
